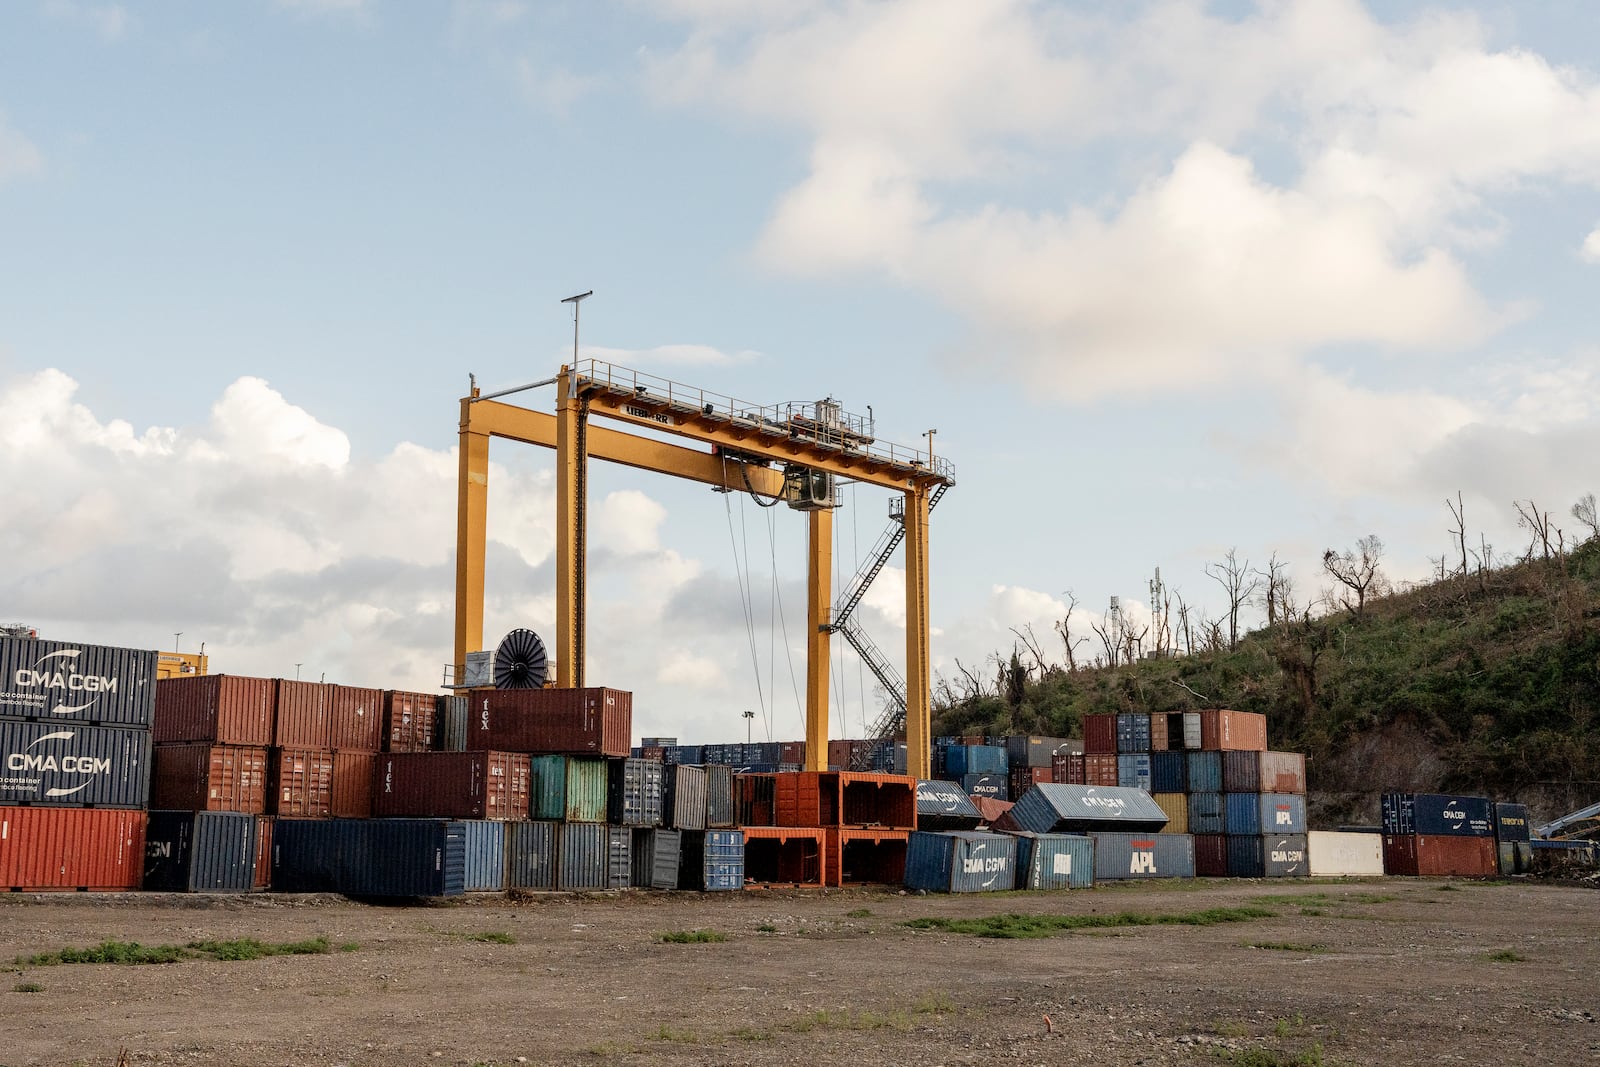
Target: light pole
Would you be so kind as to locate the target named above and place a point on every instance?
(297, 672)
(575, 301)
(749, 721)
(175, 640)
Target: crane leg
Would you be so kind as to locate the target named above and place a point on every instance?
(819, 595)
(918, 695)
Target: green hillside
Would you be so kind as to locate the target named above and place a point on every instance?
(1486, 683)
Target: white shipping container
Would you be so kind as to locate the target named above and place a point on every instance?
(1343, 855)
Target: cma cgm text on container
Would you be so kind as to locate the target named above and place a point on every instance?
(86, 684)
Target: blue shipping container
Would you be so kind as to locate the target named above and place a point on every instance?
(1437, 814)
(1205, 772)
(1263, 813)
(712, 860)
(1052, 807)
(945, 806)
(975, 759)
(1282, 856)
(1133, 771)
(369, 857)
(962, 861)
(582, 855)
(200, 852)
(484, 844)
(1133, 732)
(1206, 813)
(1121, 856)
(992, 786)
(1169, 772)
(1054, 861)
(531, 855)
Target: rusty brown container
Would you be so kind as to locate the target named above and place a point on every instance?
(792, 752)
(839, 753)
(1099, 768)
(452, 785)
(302, 714)
(1435, 855)
(1025, 778)
(352, 784)
(301, 783)
(991, 809)
(355, 719)
(1100, 734)
(95, 849)
(1158, 733)
(567, 722)
(1067, 768)
(1233, 731)
(263, 875)
(222, 709)
(201, 777)
(410, 722)
(1283, 772)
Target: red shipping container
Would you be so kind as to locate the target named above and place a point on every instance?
(654, 753)
(1233, 731)
(263, 877)
(302, 714)
(1025, 778)
(1158, 733)
(355, 719)
(201, 777)
(100, 849)
(1435, 855)
(839, 753)
(1100, 734)
(222, 709)
(792, 752)
(1099, 769)
(569, 722)
(301, 783)
(453, 785)
(1067, 768)
(1211, 855)
(352, 784)
(409, 721)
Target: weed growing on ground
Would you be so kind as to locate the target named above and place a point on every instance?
(937, 1002)
(133, 953)
(1289, 946)
(766, 928)
(1506, 955)
(27, 987)
(750, 1033)
(492, 937)
(1021, 926)
(859, 913)
(1266, 1057)
(691, 937)
(684, 1037)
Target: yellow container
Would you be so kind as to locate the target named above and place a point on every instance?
(1176, 805)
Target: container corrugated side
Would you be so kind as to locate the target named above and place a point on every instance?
(355, 719)
(353, 774)
(86, 685)
(1205, 772)
(569, 789)
(945, 806)
(975, 759)
(619, 857)
(1211, 855)
(453, 712)
(222, 709)
(1511, 823)
(988, 786)
(1133, 732)
(1440, 854)
(570, 722)
(721, 812)
(961, 862)
(1267, 856)
(1283, 772)
(1333, 854)
(531, 854)
(1176, 805)
(1206, 813)
(370, 857)
(96, 849)
(301, 718)
(1437, 815)
(484, 855)
(655, 858)
(582, 855)
(200, 852)
(410, 721)
(634, 797)
(263, 873)
(1054, 861)
(1169, 772)
(1031, 751)
(195, 776)
(683, 797)
(1233, 730)
(1193, 734)
(454, 785)
(1100, 734)
(711, 860)
(1241, 772)
(67, 765)
(300, 783)
(1122, 856)
(1133, 770)
(1058, 808)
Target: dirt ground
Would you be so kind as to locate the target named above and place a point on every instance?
(1396, 971)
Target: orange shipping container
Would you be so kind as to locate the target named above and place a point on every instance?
(301, 783)
(302, 714)
(1158, 733)
(201, 777)
(352, 784)
(96, 849)
(355, 719)
(1233, 731)
(263, 878)
(866, 857)
(222, 709)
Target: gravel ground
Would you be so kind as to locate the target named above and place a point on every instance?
(1393, 971)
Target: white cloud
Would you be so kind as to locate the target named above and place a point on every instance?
(552, 88)
(109, 21)
(1591, 246)
(19, 157)
(681, 355)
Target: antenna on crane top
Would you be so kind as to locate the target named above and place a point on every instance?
(575, 301)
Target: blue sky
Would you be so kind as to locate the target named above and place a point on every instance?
(1170, 281)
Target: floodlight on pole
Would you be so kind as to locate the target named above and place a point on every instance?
(575, 301)
(749, 721)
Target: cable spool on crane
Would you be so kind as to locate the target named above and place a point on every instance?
(521, 662)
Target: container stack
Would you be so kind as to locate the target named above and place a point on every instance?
(1124, 824)
(826, 828)
(1434, 834)
(75, 734)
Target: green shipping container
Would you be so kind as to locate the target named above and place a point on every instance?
(569, 789)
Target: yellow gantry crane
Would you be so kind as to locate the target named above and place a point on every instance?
(812, 445)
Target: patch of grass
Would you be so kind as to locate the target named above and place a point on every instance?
(846, 1020)
(937, 1002)
(1289, 946)
(1266, 1057)
(691, 937)
(131, 953)
(750, 1033)
(1232, 1028)
(766, 928)
(1313, 913)
(684, 1037)
(1447, 888)
(1325, 899)
(350, 946)
(1025, 926)
(27, 987)
(859, 913)
(493, 937)
(1284, 1027)
(1505, 955)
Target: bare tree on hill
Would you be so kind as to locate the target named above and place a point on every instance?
(1358, 571)
(1239, 583)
